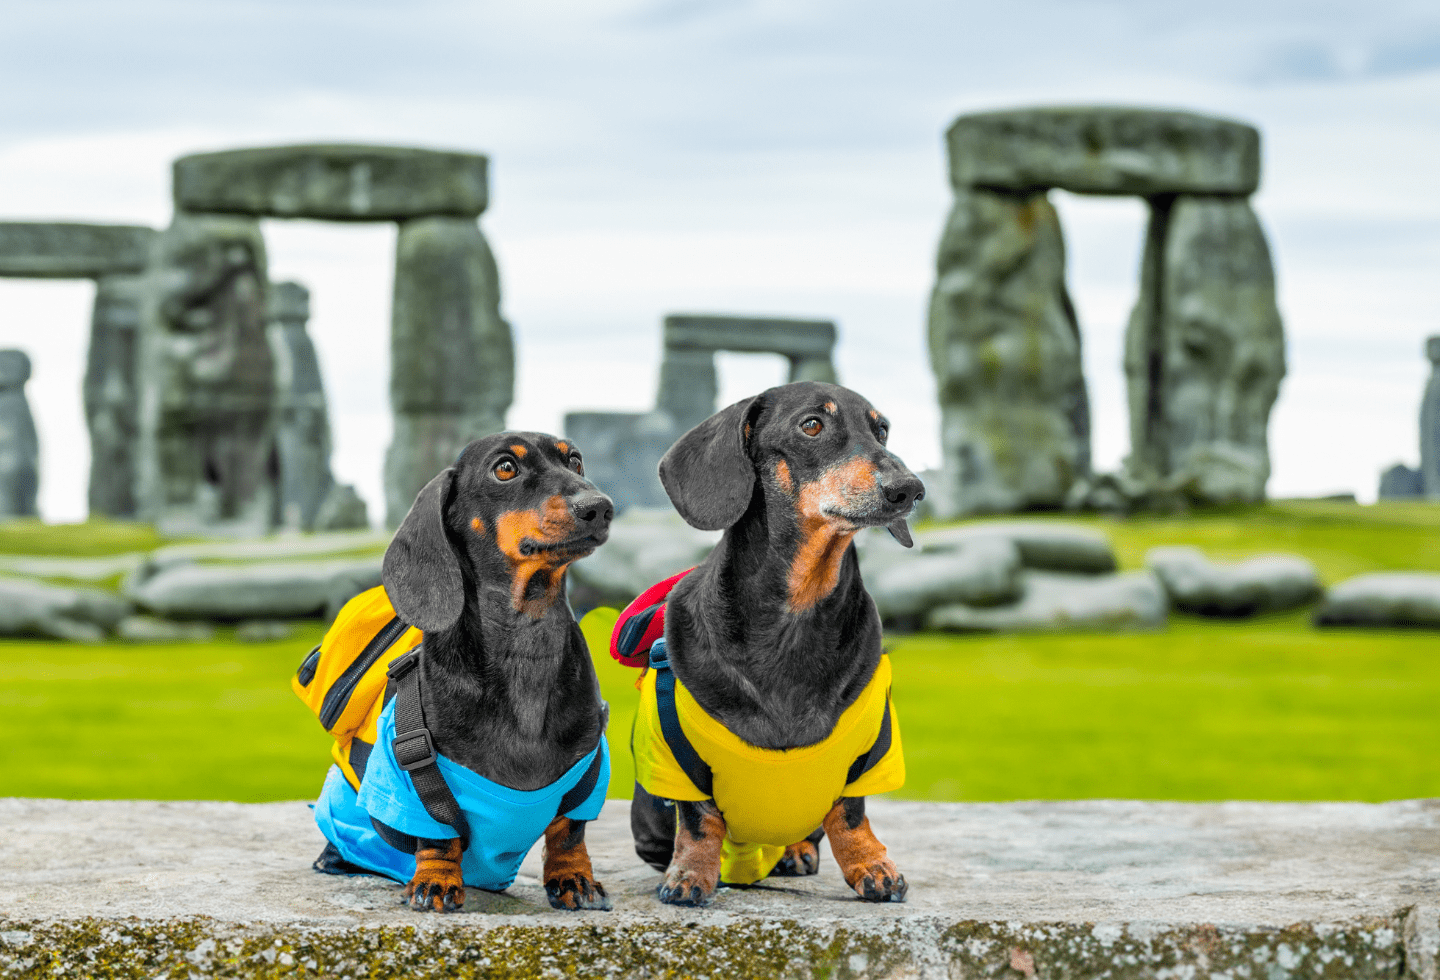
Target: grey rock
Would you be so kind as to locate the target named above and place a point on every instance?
(1117, 888)
(1383, 599)
(263, 630)
(153, 629)
(19, 445)
(333, 182)
(1265, 583)
(1204, 352)
(341, 510)
(1400, 482)
(270, 590)
(66, 250)
(276, 549)
(207, 452)
(645, 546)
(1430, 422)
(982, 571)
(1054, 602)
(111, 391)
(1005, 349)
(452, 358)
(1104, 150)
(1043, 545)
(77, 569)
(622, 453)
(302, 437)
(29, 608)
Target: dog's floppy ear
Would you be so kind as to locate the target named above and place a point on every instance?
(421, 571)
(708, 473)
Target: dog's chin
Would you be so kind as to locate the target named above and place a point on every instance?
(562, 552)
(849, 520)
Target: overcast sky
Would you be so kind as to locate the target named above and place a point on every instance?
(754, 157)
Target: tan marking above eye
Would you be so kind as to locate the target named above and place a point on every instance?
(874, 414)
(477, 525)
(812, 427)
(506, 470)
(830, 407)
(518, 451)
(564, 447)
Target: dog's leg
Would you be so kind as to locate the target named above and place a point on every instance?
(652, 826)
(695, 869)
(569, 880)
(437, 883)
(801, 858)
(862, 858)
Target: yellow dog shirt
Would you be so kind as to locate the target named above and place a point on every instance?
(770, 798)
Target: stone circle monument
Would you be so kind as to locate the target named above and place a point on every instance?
(1204, 352)
(623, 449)
(1400, 481)
(19, 448)
(114, 256)
(452, 355)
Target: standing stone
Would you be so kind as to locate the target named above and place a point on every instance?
(208, 408)
(112, 394)
(1430, 423)
(452, 357)
(1005, 348)
(1205, 351)
(302, 430)
(19, 446)
(1400, 482)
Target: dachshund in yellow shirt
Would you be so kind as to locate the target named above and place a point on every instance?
(772, 640)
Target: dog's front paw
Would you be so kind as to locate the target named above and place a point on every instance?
(799, 860)
(577, 892)
(442, 892)
(684, 886)
(879, 881)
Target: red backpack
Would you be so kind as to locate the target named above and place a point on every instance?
(642, 623)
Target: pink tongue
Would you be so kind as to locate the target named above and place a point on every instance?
(900, 531)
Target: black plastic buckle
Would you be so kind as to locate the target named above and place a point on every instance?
(423, 734)
(403, 664)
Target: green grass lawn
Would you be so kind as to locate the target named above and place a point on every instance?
(1268, 708)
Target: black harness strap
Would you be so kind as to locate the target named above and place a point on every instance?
(866, 761)
(680, 746)
(415, 750)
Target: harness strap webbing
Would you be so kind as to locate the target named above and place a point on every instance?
(415, 749)
(695, 767)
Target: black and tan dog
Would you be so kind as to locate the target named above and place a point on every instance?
(507, 686)
(773, 636)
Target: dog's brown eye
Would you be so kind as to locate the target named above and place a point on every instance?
(812, 427)
(884, 433)
(505, 470)
(577, 465)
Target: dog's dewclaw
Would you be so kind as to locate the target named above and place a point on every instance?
(900, 531)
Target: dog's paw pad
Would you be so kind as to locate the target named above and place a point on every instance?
(577, 893)
(799, 860)
(881, 882)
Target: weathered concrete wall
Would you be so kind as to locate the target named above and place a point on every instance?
(333, 182)
(1051, 890)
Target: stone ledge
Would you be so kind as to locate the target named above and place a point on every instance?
(1099, 888)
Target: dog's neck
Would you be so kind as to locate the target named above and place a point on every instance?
(514, 695)
(776, 672)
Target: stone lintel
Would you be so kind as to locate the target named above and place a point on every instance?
(333, 182)
(70, 250)
(1104, 150)
(746, 334)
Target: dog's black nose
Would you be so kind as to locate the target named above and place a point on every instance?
(592, 508)
(903, 492)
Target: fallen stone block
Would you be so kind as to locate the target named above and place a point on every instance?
(983, 571)
(1043, 545)
(272, 590)
(1383, 599)
(77, 569)
(153, 629)
(263, 630)
(29, 608)
(1051, 601)
(1265, 583)
(1103, 888)
(1104, 150)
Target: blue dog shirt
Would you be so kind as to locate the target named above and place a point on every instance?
(504, 823)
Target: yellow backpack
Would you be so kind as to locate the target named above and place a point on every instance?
(343, 679)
